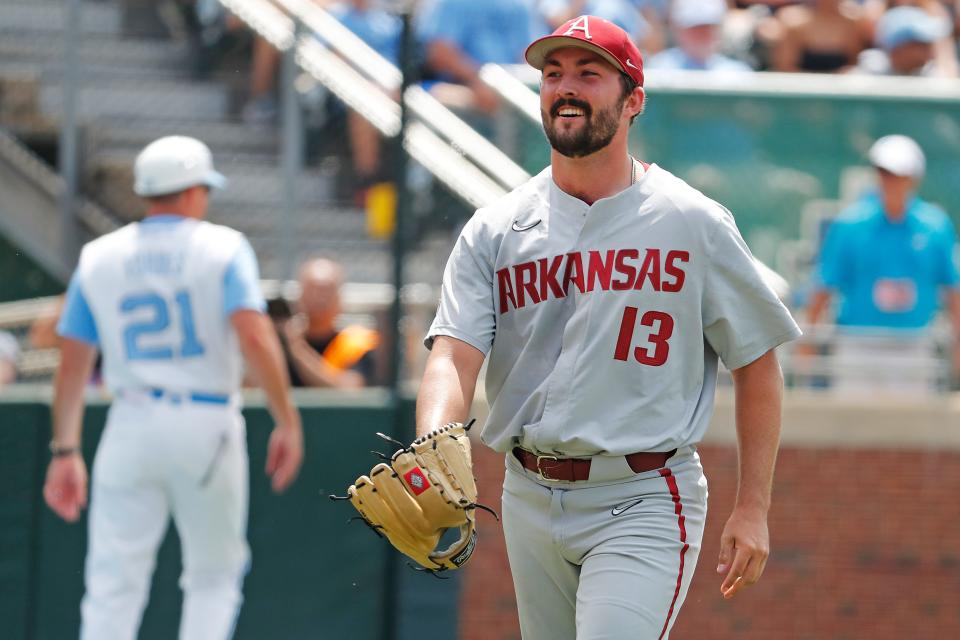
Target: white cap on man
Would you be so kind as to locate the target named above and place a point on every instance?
(902, 25)
(899, 155)
(685, 14)
(172, 164)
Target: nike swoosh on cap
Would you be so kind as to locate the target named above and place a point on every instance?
(517, 227)
(630, 64)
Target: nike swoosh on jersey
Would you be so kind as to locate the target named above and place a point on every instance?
(518, 227)
(620, 508)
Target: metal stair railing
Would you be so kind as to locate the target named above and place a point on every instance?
(30, 211)
(513, 90)
(422, 105)
(466, 162)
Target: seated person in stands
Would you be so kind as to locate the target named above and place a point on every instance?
(626, 14)
(906, 39)
(696, 26)
(822, 36)
(9, 352)
(319, 353)
(460, 36)
(381, 31)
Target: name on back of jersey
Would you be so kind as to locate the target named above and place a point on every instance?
(161, 263)
(536, 281)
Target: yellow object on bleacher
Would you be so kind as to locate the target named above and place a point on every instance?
(381, 210)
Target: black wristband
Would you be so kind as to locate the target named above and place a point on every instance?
(58, 452)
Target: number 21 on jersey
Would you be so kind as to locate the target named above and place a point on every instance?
(154, 313)
(657, 349)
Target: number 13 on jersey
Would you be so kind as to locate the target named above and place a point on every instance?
(655, 352)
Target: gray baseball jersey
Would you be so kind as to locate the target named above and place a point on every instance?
(602, 324)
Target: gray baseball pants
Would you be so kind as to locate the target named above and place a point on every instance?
(608, 558)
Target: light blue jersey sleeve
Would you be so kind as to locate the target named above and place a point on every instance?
(241, 283)
(76, 320)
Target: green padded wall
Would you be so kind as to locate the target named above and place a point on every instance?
(764, 155)
(313, 575)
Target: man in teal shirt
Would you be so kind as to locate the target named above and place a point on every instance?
(890, 258)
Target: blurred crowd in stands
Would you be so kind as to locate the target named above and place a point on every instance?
(901, 287)
(454, 38)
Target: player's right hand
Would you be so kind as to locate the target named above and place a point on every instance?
(65, 489)
(284, 455)
(744, 549)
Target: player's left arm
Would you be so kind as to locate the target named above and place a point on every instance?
(65, 489)
(262, 351)
(245, 308)
(745, 542)
(953, 307)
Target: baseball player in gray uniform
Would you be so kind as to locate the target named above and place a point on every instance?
(602, 293)
(174, 305)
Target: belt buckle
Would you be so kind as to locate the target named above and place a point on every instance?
(544, 476)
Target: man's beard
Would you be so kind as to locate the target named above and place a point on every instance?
(595, 134)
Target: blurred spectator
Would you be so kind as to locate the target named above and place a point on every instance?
(888, 257)
(623, 13)
(906, 38)
(945, 48)
(321, 354)
(381, 31)
(772, 4)
(821, 36)
(261, 107)
(216, 37)
(460, 36)
(9, 354)
(696, 25)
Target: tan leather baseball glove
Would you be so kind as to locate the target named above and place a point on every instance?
(426, 489)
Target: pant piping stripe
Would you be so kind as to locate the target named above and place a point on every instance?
(678, 509)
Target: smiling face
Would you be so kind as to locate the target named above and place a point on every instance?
(582, 102)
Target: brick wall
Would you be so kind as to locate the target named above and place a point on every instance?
(866, 544)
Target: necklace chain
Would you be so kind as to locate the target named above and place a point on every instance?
(633, 170)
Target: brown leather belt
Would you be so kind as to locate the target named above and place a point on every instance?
(577, 469)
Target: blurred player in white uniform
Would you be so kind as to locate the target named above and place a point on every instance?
(173, 303)
(602, 293)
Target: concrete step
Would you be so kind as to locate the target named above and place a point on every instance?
(118, 53)
(318, 223)
(425, 263)
(163, 100)
(265, 186)
(125, 137)
(49, 18)
(255, 196)
(51, 73)
(371, 264)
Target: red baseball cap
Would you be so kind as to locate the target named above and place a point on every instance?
(593, 34)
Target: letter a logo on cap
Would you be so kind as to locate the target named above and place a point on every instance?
(580, 24)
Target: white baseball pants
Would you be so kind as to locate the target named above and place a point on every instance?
(158, 459)
(604, 560)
